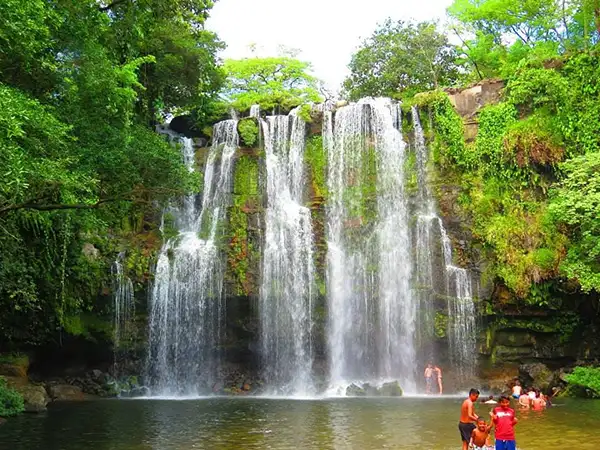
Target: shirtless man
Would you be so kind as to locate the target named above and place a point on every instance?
(428, 378)
(467, 418)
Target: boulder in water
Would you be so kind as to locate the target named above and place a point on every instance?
(66, 392)
(355, 391)
(538, 374)
(391, 389)
(370, 390)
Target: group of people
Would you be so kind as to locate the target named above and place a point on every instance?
(530, 397)
(433, 379)
(475, 431)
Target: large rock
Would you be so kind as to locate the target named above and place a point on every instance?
(65, 392)
(34, 395)
(391, 389)
(355, 391)
(538, 374)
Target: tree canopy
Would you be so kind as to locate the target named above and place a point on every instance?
(274, 83)
(401, 58)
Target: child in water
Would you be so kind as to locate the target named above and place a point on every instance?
(505, 421)
(480, 437)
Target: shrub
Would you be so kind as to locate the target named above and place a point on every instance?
(248, 130)
(11, 402)
(588, 378)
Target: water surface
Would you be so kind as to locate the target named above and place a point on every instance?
(257, 423)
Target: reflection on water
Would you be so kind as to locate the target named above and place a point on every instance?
(255, 423)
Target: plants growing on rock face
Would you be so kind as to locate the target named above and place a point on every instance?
(11, 402)
(248, 131)
(575, 206)
(587, 378)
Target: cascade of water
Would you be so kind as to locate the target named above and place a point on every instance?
(124, 311)
(431, 235)
(371, 310)
(286, 294)
(186, 308)
(255, 111)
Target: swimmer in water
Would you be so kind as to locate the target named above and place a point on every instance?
(516, 390)
(480, 437)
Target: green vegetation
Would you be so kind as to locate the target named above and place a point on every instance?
(529, 181)
(11, 402)
(401, 59)
(82, 84)
(276, 84)
(587, 378)
(316, 160)
(240, 251)
(248, 131)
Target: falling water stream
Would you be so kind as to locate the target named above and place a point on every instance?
(186, 308)
(286, 292)
(456, 286)
(372, 312)
(389, 260)
(124, 313)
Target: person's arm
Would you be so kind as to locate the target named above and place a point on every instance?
(471, 413)
(493, 416)
(515, 420)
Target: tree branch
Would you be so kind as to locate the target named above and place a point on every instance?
(467, 54)
(58, 206)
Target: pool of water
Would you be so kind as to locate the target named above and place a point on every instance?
(257, 423)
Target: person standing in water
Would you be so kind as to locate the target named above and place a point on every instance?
(466, 424)
(428, 378)
(517, 390)
(505, 421)
(437, 375)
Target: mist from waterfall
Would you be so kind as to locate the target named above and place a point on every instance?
(187, 308)
(431, 237)
(287, 288)
(372, 312)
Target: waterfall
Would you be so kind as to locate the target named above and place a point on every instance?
(186, 307)
(286, 292)
(124, 313)
(372, 312)
(255, 111)
(456, 283)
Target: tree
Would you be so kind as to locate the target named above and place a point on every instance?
(274, 83)
(401, 58)
(528, 20)
(81, 83)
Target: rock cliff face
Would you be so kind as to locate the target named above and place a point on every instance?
(515, 338)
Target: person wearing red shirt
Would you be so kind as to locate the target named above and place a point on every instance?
(505, 421)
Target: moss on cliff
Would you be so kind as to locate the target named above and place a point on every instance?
(241, 252)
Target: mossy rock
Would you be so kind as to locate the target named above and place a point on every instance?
(355, 391)
(391, 389)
